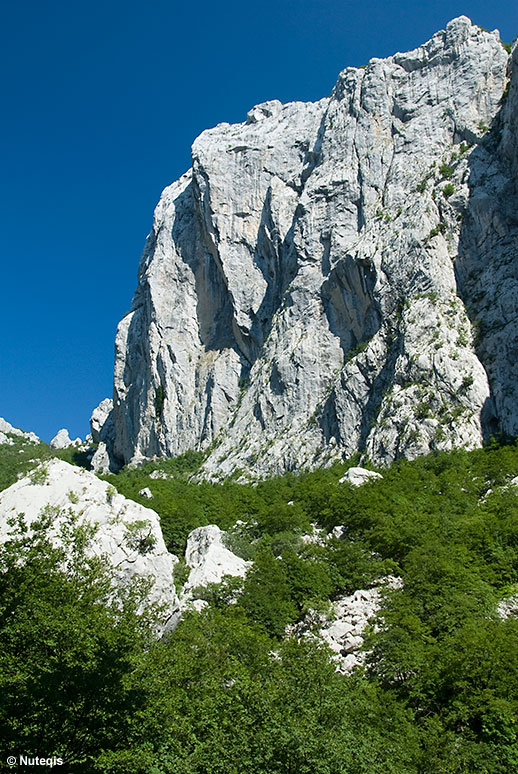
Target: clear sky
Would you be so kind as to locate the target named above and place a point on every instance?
(100, 105)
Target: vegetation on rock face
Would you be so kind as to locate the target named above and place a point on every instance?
(227, 692)
(19, 458)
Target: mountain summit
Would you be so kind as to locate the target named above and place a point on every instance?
(336, 276)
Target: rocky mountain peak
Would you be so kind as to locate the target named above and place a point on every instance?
(336, 276)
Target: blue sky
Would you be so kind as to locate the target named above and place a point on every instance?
(101, 102)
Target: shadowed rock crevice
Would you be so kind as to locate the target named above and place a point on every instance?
(348, 299)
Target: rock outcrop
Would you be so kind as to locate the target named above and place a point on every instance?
(209, 560)
(344, 631)
(101, 422)
(102, 433)
(128, 534)
(6, 429)
(101, 460)
(359, 476)
(62, 440)
(508, 607)
(336, 277)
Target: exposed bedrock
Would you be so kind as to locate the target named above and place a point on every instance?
(336, 276)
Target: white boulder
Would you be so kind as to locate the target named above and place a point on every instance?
(343, 630)
(209, 560)
(508, 607)
(128, 534)
(317, 536)
(61, 440)
(156, 474)
(359, 476)
(101, 421)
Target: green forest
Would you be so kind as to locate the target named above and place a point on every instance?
(83, 676)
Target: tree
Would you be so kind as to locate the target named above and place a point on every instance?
(70, 646)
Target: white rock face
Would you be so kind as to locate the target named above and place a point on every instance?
(101, 422)
(317, 537)
(101, 460)
(336, 276)
(5, 439)
(209, 559)
(359, 476)
(128, 534)
(62, 440)
(5, 427)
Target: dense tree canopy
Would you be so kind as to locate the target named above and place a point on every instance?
(82, 676)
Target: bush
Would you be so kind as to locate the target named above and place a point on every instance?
(69, 648)
(440, 228)
(446, 171)
(448, 190)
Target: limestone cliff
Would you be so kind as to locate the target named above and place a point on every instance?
(336, 276)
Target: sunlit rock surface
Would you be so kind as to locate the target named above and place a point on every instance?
(337, 276)
(209, 560)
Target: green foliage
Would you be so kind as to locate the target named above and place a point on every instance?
(139, 536)
(383, 215)
(353, 566)
(237, 539)
(440, 228)
(446, 171)
(19, 458)
(226, 691)
(74, 456)
(309, 576)
(39, 475)
(448, 190)
(467, 382)
(69, 648)
(231, 705)
(357, 350)
(181, 573)
(266, 597)
(220, 595)
(111, 492)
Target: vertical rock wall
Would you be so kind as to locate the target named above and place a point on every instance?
(316, 283)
